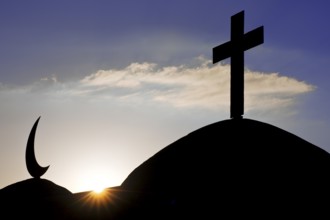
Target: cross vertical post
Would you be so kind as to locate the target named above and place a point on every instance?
(234, 49)
(237, 67)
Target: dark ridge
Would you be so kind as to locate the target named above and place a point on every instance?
(38, 188)
(237, 164)
(37, 198)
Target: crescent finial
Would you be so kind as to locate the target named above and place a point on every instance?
(32, 165)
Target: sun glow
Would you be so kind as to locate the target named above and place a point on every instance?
(97, 200)
(95, 182)
(97, 185)
(98, 189)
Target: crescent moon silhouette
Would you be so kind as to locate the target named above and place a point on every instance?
(32, 165)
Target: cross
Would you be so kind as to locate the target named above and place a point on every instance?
(239, 42)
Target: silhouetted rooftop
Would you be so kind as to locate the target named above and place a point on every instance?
(237, 164)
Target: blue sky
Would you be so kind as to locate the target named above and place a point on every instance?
(116, 81)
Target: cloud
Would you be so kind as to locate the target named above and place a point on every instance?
(199, 85)
(202, 86)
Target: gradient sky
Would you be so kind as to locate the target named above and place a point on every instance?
(116, 81)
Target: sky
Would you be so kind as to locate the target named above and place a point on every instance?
(116, 81)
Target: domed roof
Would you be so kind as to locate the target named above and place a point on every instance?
(35, 198)
(38, 188)
(237, 162)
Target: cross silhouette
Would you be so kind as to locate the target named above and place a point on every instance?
(239, 42)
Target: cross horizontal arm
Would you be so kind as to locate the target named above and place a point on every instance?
(250, 40)
(253, 38)
(222, 52)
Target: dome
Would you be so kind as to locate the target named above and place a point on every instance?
(35, 198)
(236, 164)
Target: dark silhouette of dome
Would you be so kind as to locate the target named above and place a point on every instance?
(232, 165)
(39, 198)
(38, 188)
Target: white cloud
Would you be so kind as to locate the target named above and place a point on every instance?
(199, 86)
(204, 85)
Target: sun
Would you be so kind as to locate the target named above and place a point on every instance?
(94, 181)
(98, 188)
(97, 184)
